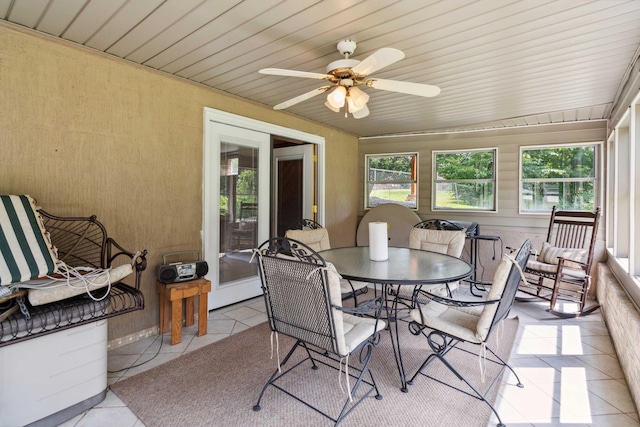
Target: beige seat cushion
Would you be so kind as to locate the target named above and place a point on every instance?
(450, 242)
(553, 268)
(351, 330)
(55, 292)
(317, 239)
(346, 286)
(468, 323)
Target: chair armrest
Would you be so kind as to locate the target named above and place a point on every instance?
(561, 260)
(138, 259)
(450, 301)
(583, 265)
(366, 307)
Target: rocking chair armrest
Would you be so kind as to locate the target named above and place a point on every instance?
(561, 261)
(450, 301)
(562, 268)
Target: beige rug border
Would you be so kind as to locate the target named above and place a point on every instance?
(218, 385)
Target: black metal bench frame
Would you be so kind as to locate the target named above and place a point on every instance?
(80, 242)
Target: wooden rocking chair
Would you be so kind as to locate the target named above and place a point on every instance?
(562, 268)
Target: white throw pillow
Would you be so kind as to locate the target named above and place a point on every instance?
(549, 255)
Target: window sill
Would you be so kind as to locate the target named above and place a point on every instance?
(631, 284)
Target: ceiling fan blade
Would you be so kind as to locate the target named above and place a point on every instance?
(410, 88)
(377, 60)
(303, 97)
(294, 73)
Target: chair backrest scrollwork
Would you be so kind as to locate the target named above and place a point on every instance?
(302, 294)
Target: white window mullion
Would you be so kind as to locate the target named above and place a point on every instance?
(610, 231)
(622, 192)
(634, 181)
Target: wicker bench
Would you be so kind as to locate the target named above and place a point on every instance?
(53, 356)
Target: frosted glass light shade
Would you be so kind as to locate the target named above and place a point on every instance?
(363, 112)
(330, 107)
(359, 97)
(352, 105)
(337, 96)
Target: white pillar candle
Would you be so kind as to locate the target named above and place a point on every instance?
(378, 241)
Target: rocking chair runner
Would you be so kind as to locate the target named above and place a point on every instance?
(302, 296)
(564, 261)
(446, 323)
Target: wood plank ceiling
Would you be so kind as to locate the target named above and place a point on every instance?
(499, 63)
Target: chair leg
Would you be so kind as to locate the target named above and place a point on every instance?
(554, 294)
(366, 351)
(278, 370)
(441, 345)
(353, 294)
(534, 296)
(582, 300)
(503, 363)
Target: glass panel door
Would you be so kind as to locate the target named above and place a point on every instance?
(236, 210)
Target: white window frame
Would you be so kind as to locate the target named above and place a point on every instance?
(411, 181)
(435, 181)
(623, 210)
(596, 179)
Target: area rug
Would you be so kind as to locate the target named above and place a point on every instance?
(218, 385)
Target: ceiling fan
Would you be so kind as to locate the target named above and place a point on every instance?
(346, 74)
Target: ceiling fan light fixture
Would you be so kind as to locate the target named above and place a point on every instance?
(343, 75)
(363, 112)
(358, 97)
(352, 105)
(337, 96)
(330, 107)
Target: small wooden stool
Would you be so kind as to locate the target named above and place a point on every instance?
(174, 293)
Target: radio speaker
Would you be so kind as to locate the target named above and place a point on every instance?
(168, 273)
(202, 268)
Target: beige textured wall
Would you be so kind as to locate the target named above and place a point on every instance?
(85, 134)
(512, 227)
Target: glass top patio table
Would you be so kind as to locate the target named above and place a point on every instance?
(403, 267)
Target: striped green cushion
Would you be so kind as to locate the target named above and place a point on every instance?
(25, 251)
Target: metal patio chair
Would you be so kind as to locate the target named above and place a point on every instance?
(302, 296)
(447, 323)
(316, 237)
(445, 241)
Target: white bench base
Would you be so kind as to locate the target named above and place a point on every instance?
(47, 380)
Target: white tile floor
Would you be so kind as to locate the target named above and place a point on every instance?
(569, 368)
